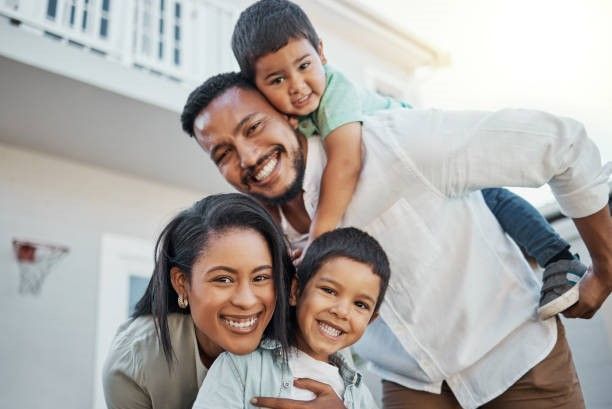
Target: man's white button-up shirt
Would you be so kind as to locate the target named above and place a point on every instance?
(462, 299)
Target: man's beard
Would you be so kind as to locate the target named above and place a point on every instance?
(294, 189)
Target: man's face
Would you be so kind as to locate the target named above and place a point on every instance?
(252, 144)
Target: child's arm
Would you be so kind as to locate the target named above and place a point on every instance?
(526, 226)
(340, 176)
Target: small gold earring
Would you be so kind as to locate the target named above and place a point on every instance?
(182, 302)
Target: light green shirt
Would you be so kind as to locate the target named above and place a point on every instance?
(136, 375)
(235, 379)
(342, 103)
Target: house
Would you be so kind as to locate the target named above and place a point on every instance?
(92, 158)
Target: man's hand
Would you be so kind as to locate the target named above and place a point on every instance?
(593, 293)
(596, 285)
(326, 398)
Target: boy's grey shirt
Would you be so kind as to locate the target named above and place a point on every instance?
(233, 380)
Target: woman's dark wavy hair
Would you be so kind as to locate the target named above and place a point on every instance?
(186, 237)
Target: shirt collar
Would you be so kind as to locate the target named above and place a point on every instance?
(349, 374)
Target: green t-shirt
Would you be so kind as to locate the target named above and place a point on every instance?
(343, 103)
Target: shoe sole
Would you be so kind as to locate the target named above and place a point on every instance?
(561, 303)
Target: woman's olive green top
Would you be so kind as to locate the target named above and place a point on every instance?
(136, 374)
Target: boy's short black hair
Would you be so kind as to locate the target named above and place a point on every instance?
(346, 242)
(206, 93)
(266, 27)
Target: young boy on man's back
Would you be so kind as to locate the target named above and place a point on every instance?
(279, 50)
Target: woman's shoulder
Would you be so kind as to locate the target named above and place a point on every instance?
(136, 369)
(137, 344)
(143, 330)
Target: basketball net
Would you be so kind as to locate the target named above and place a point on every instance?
(35, 261)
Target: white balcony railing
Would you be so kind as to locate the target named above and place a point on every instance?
(186, 40)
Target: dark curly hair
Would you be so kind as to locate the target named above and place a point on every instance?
(206, 93)
(266, 27)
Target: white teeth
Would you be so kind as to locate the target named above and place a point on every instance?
(267, 169)
(329, 330)
(241, 324)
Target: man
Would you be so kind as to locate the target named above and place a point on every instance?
(459, 317)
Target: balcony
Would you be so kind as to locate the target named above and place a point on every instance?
(102, 82)
(183, 40)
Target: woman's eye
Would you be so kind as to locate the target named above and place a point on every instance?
(304, 65)
(277, 81)
(328, 290)
(261, 277)
(223, 279)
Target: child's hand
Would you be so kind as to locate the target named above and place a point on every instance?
(296, 256)
(326, 398)
(293, 121)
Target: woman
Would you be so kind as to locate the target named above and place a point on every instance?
(220, 283)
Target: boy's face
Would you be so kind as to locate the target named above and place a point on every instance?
(292, 78)
(336, 306)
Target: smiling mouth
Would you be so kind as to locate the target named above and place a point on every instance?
(267, 167)
(300, 102)
(262, 170)
(243, 324)
(330, 330)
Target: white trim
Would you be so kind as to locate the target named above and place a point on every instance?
(120, 258)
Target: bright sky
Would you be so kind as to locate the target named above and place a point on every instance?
(554, 55)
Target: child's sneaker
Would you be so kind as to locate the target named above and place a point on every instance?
(560, 286)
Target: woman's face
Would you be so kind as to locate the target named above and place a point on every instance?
(231, 292)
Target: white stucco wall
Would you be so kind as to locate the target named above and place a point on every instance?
(47, 343)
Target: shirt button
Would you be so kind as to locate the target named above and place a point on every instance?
(285, 385)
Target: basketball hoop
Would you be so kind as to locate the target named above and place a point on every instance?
(35, 261)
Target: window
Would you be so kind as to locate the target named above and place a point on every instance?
(146, 28)
(177, 34)
(51, 9)
(160, 45)
(72, 17)
(85, 15)
(104, 15)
